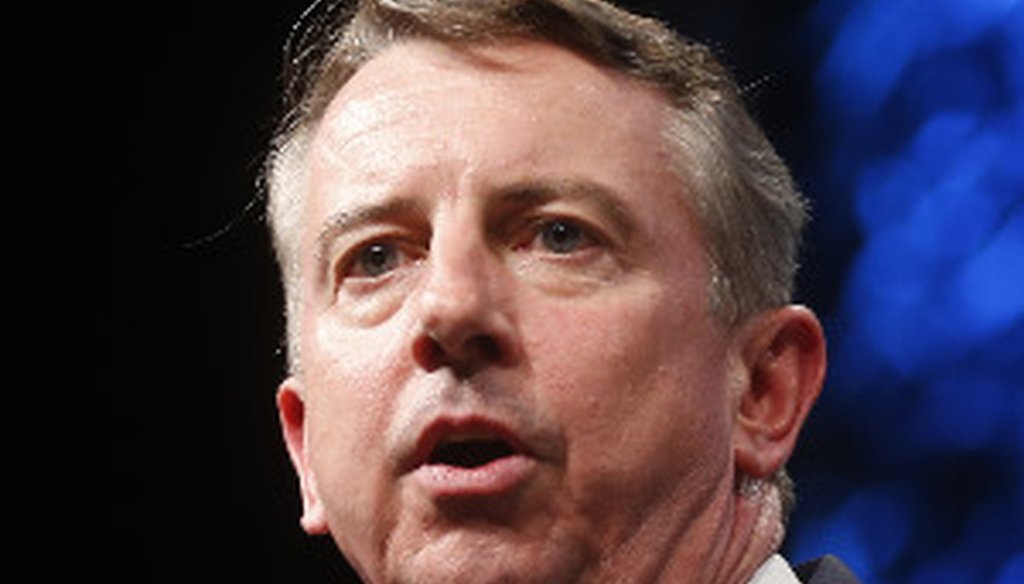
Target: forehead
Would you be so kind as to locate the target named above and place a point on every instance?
(524, 98)
(533, 71)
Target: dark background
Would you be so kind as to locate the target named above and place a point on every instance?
(145, 312)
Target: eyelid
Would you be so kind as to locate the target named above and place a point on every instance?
(536, 222)
(341, 268)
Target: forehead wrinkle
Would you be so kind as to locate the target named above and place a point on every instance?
(352, 121)
(380, 93)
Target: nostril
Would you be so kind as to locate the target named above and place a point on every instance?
(428, 353)
(484, 348)
(464, 358)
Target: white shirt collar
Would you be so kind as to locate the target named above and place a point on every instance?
(775, 570)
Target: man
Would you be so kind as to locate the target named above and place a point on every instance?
(538, 264)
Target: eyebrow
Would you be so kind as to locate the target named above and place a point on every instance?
(538, 193)
(522, 195)
(347, 220)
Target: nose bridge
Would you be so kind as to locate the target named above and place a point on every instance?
(464, 319)
(458, 284)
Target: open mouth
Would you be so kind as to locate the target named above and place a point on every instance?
(470, 457)
(467, 444)
(470, 452)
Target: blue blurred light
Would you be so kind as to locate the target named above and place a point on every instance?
(923, 102)
(879, 39)
(853, 78)
(940, 570)
(1013, 40)
(961, 412)
(1013, 571)
(960, 22)
(868, 531)
(990, 287)
(1017, 416)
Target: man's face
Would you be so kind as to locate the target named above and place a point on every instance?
(509, 368)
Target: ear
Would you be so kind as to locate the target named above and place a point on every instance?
(783, 351)
(291, 409)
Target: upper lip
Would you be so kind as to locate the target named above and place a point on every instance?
(463, 428)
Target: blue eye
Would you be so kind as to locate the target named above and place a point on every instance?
(375, 260)
(562, 237)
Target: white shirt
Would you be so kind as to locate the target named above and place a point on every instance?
(775, 570)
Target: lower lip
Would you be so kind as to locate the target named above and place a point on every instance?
(499, 477)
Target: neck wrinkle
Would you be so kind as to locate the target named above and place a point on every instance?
(756, 533)
(673, 549)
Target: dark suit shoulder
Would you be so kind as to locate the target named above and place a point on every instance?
(825, 570)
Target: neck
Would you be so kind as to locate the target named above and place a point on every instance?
(748, 531)
(742, 529)
(756, 532)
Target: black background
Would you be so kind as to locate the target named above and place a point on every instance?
(143, 309)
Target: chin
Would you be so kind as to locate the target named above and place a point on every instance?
(472, 558)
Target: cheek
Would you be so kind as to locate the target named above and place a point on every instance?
(617, 346)
(352, 379)
(355, 375)
(638, 387)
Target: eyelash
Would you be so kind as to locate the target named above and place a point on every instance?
(349, 265)
(535, 232)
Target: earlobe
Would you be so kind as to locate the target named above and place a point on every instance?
(291, 408)
(784, 356)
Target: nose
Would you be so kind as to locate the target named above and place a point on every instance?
(465, 320)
